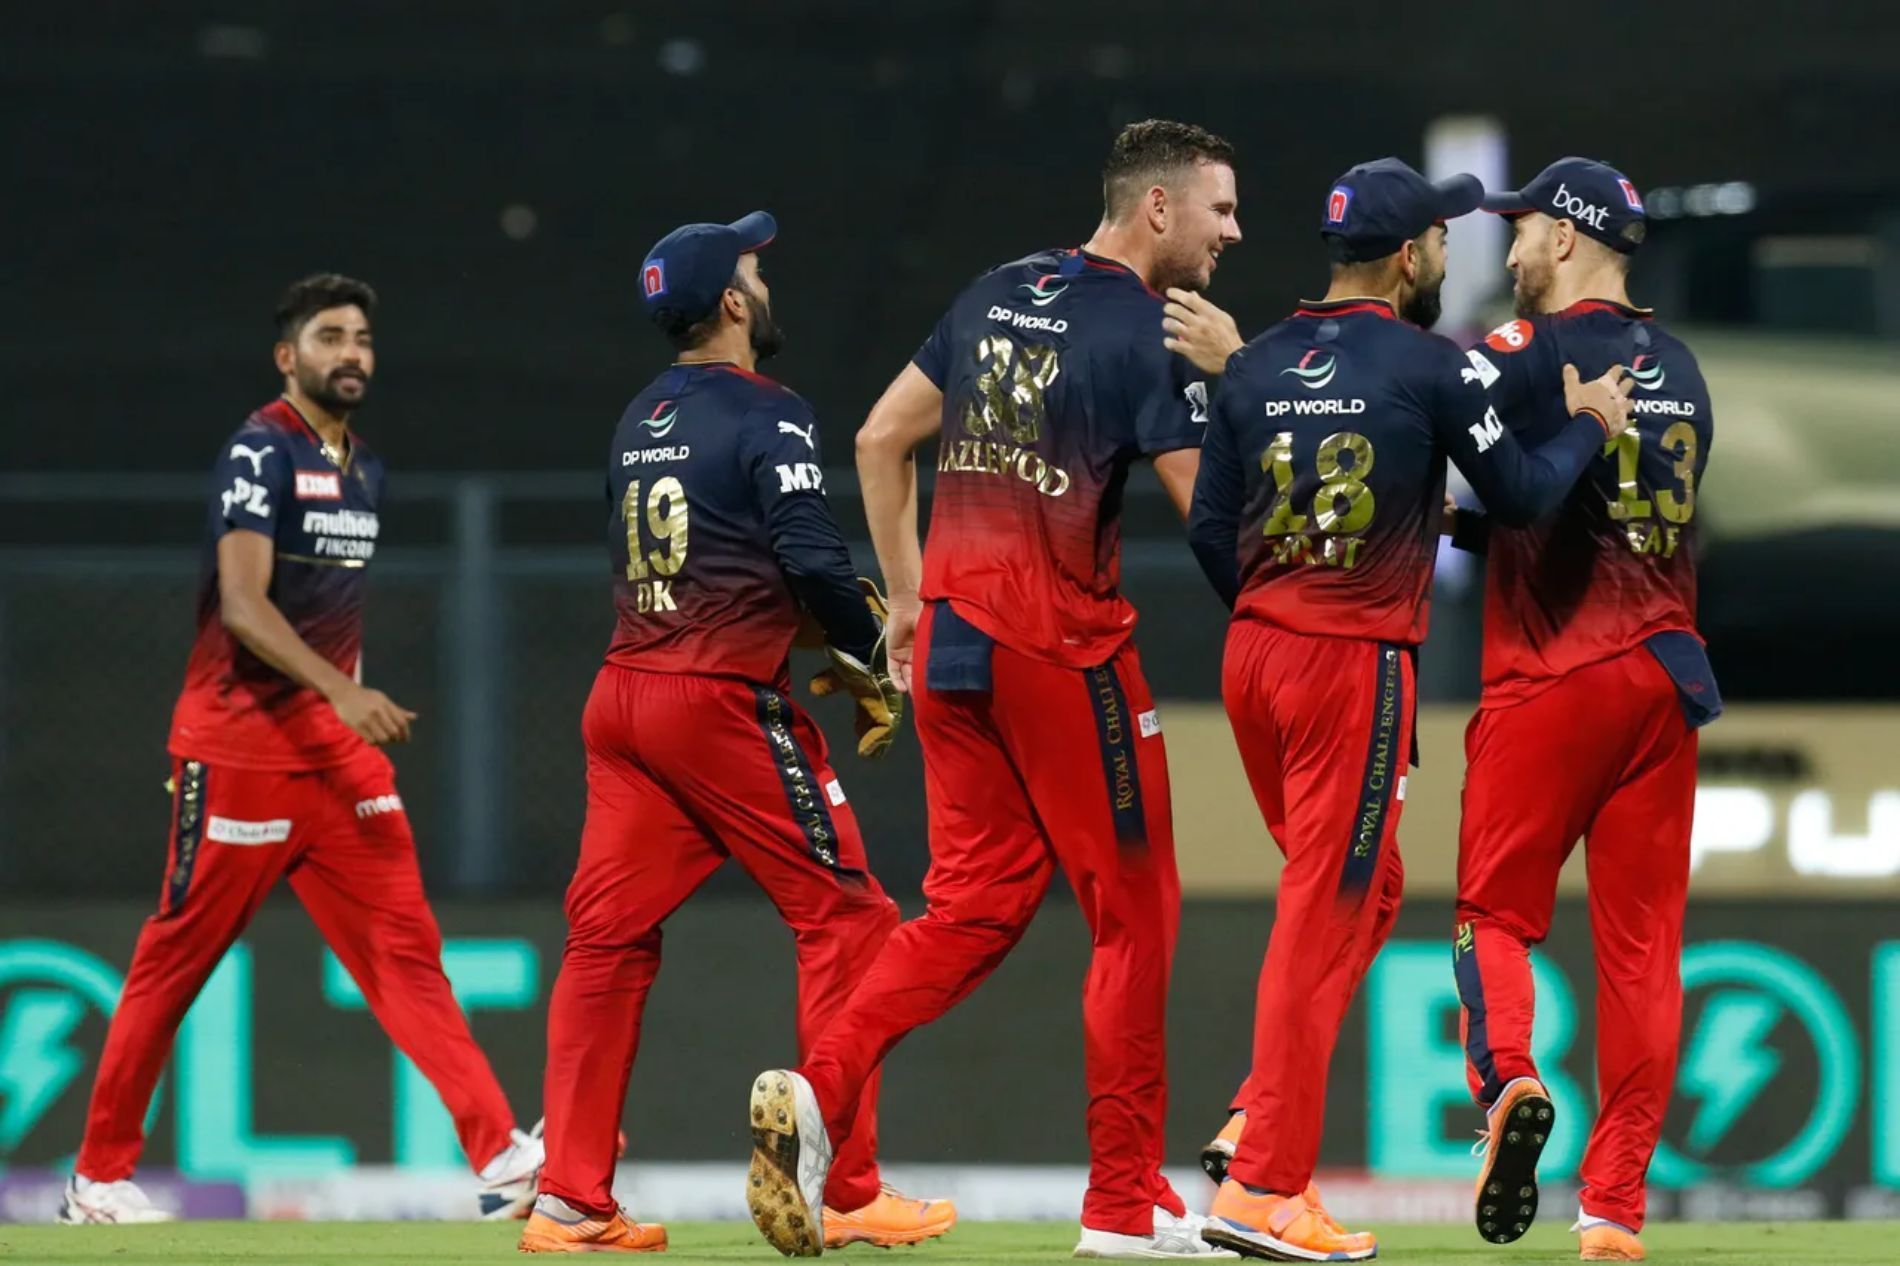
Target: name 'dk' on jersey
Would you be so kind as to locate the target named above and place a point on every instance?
(1054, 382)
(273, 477)
(717, 491)
(1323, 478)
(1616, 563)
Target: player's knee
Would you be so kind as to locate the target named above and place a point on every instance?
(610, 932)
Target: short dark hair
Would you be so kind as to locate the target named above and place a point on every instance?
(1345, 258)
(318, 292)
(685, 335)
(1153, 152)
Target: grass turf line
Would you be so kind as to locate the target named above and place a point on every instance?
(982, 1244)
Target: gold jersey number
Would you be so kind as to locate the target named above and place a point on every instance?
(665, 512)
(1342, 504)
(1010, 385)
(1678, 443)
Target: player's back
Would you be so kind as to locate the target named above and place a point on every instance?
(1615, 563)
(1331, 419)
(275, 477)
(697, 587)
(1054, 382)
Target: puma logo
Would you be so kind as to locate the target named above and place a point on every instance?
(803, 433)
(253, 455)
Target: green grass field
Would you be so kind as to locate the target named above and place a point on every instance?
(429, 1243)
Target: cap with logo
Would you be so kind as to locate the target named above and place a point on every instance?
(1379, 206)
(1596, 197)
(688, 270)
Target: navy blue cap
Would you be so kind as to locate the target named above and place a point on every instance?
(1596, 197)
(1379, 206)
(688, 270)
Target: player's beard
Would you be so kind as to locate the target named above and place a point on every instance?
(1181, 265)
(1425, 304)
(329, 390)
(766, 338)
(1535, 279)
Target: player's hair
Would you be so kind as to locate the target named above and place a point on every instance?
(314, 294)
(685, 335)
(1345, 264)
(1155, 152)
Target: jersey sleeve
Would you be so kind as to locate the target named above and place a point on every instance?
(1518, 485)
(933, 358)
(251, 482)
(779, 446)
(1167, 397)
(1505, 362)
(1219, 495)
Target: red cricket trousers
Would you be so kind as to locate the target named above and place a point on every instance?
(1603, 754)
(682, 772)
(1054, 767)
(1324, 727)
(343, 840)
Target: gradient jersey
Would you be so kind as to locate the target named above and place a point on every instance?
(273, 477)
(1322, 482)
(1615, 563)
(719, 531)
(1054, 382)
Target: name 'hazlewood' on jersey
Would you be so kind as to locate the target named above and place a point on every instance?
(987, 457)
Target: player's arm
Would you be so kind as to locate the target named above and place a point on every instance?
(1168, 398)
(245, 559)
(1219, 493)
(909, 413)
(1521, 485)
(1503, 362)
(1177, 470)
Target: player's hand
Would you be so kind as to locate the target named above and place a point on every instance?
(372, 714)
(1448, 522)
(900, 639)
(880, 704)
(1198, 330)
(1608, 397)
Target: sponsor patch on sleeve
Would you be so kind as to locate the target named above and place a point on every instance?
(1512, 336)
(1482, 371)
(834, 792)
(1150, 722)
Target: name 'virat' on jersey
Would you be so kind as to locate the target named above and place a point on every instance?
(1054, 382)
(1616, 563)
(273, 477)
(1322, 480)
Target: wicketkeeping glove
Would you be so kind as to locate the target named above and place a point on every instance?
(880, 706)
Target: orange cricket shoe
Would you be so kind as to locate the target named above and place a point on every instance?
(1516, 1130)
(1608, 1242)
(1282, 1228)
(1219, 1152)
(892, 1218)
(557, 1227)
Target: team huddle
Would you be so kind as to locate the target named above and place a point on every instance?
(1310, 467)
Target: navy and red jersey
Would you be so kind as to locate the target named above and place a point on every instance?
(1054, 382)
(1322, 481)
(1615, 564)
(273, 477)
(720, 532)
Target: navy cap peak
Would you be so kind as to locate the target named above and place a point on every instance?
(683, 277)
(1376, 207)
(1596, 197)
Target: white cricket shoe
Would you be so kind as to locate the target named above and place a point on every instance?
(1173, 1239)
(791, 1156)
(512, 1179)
(89, 1202)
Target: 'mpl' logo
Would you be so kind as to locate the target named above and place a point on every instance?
(1647, 370)
(1312, 371)
(1044, 290)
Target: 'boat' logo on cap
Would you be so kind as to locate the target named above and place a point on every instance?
(1336, 203)
(1630, 195)
(653, 278)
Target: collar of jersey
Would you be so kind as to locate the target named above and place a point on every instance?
(1346, 307)
(1583, 307)
(1078, 259)
(725, 367)
(349, 436)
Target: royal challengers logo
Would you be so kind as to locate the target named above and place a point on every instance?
(1312, 371)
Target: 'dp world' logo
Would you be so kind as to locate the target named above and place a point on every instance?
(661, 420)
(1044, 290)
(1647, 370)
(1314, 372)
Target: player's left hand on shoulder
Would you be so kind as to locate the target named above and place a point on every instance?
(1195, 328)
(1607, 397)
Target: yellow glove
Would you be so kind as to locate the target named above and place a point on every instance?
(880, 705)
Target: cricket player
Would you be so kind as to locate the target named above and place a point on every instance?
(722, 544)
(1589, 629)
(1042, 747)
(276, 771)
(1316, 517)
